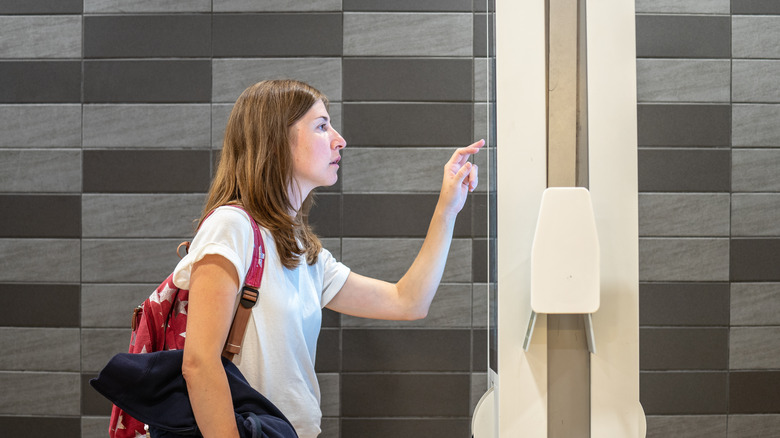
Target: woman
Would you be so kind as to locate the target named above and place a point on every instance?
(279, 146)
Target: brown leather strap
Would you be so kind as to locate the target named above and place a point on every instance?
(238, 328)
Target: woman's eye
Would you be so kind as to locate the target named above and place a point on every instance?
(324, 127)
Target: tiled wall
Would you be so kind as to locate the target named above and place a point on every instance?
(111, 116)
(709, 176)
(112, 112)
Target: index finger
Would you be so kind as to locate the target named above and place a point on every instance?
(461, 155)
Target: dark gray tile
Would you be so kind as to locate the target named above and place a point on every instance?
(675, 36)
(407, 5)
(407, 124)
(754, 392)
(325, 215)
(684, 393)
(684, 125)
(479, 260)
(92, 402)
(480, 35)
(479, 351)
(388, 215)
(40, 81)
(755, 259)
(147, 81)
(40, 427)
(683, 304)
(146, 171)
(484, 5)
(405, 79)
(277, 35)
(152, 36)
(55, 305)
(31, 216)
(330, 318)
(479, 215)
(407, 395)
(755, 7)
(684, 349)
(670, 170)
(329, 351)
(407, 428)
(41, 7)
(406, 350)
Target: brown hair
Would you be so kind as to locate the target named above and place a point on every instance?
(255, 168)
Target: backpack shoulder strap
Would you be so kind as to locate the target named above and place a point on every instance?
(249, 293)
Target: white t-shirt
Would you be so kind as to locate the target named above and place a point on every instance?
(277, 356)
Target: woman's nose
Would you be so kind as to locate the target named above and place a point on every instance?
(339, 142)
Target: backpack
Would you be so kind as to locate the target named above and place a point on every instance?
(160, 324)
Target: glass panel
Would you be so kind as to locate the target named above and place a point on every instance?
(490, 139)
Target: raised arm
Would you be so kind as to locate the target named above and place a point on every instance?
(411, 296)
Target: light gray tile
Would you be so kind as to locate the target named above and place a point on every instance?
(388, 259)
(755, 170)
(128, 260)
(276, 5)
(754, 348)
(689, 214)
(40, 125)
(751, 426)
(100, 345)
(146, 215)
(147, 126)
(755, 304)
(683, 259)
(451, 307)
(111, 305)
(94, 427)
(686, 426)
(220, 112)
(395, 170)
(40, 170)
(39, 349)
(49, 260)
(683, 80)
(330, 397)
(755, 81)
(133, 6)
(683, 6)
(479, 307)
(481, 118)
(755, 36)
(755, 214)
(755, 125)
(481, 79)
(333, 245)
(55, 36)
(232, 76)
(408, 34)
(33, 393)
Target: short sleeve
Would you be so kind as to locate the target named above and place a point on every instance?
(334, 276)
(228, 233)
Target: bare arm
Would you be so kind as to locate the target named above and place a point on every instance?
(213, 289)
(411, 296)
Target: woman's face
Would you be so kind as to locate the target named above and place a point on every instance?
(315, 147)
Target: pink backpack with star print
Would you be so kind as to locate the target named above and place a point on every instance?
(160, 323)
